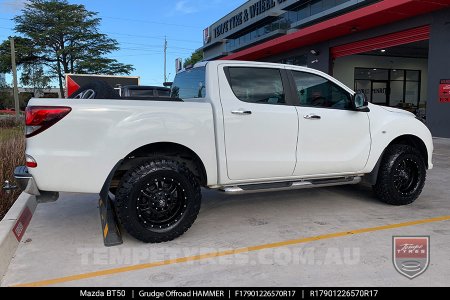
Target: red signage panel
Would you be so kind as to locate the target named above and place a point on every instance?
(22, 223)
(444, 91)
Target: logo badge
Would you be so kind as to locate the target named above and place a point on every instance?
(206, 36)
(411, 255)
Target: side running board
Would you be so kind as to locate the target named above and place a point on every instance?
(294, 185)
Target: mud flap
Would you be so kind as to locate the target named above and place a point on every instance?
(110, 229)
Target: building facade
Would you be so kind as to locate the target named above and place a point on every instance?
(395, 51)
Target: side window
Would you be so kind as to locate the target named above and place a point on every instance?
(257, 85)
(189, 84)
(316, 91)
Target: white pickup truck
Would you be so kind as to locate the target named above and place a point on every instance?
(232, 126)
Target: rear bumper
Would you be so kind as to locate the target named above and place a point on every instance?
(27, 184)
(25, 181)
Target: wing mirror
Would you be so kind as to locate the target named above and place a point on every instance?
(360, 102)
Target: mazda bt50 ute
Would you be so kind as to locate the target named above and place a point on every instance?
(229, 125)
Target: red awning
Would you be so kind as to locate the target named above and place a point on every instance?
(383, 41)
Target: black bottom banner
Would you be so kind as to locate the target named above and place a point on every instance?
(222, 293)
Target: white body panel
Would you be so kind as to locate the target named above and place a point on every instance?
(337, 143)
(262, 144)
(78, 153)
(386, 124)
(273, 144)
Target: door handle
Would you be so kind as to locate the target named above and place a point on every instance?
(241, 112)
(312, 117)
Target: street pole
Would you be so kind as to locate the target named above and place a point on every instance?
(165, 59)
(14, 71)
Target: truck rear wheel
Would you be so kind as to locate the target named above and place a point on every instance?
(158, 201)
(402, 175)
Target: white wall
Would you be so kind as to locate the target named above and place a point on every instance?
(344, 68)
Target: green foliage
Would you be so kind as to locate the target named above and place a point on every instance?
(24, 53)
(62, 38)
(195, 58)
(6, 97)
(33, 76)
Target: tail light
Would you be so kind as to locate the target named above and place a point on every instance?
(40, 118)
(30, 161)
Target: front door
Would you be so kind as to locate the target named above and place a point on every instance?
(261, 127)
(333, 138)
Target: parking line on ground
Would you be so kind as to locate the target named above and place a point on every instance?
(115, 271)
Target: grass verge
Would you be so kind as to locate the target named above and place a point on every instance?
(12, 154)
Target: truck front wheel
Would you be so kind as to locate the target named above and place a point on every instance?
(402, 175)
(158, 201)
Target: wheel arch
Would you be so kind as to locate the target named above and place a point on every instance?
(405, 139)
(413, 141)
(167, 150)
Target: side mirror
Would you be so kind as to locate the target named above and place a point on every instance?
(360, 102)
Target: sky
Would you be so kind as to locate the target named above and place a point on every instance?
(140, 26)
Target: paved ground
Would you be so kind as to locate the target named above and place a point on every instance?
(64, 246)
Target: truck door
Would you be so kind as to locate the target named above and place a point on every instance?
(260, 121)
(333, 138)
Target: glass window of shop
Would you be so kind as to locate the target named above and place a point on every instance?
(305, 10)
(390, 87)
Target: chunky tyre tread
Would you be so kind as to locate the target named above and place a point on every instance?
(128, 182)
(383, 187)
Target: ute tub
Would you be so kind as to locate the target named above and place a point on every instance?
(78, 153)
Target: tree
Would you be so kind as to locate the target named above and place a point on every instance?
(65, 38)
(33, 76)
(195, 58)
(6, 96)
(25, 53)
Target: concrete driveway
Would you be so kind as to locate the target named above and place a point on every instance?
(339, 236)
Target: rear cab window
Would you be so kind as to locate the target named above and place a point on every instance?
(190, 84)
(257, 85)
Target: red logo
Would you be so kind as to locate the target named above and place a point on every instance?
(206, 36)
(411, 255)
(22, 223)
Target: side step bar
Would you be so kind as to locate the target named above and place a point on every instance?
(290, 185)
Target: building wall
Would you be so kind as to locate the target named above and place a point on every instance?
(238, 27)
(320, 62)
(438, 114)
(344, 68)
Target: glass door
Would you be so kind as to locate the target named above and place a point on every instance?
(380, 92)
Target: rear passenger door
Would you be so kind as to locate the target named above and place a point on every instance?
(260, 121)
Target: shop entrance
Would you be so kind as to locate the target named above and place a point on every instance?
(392, 70)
